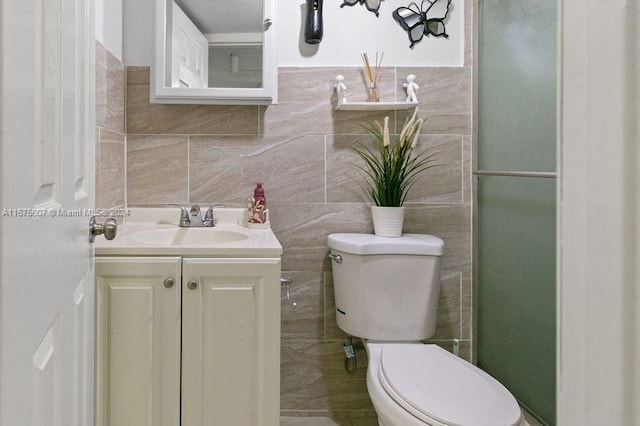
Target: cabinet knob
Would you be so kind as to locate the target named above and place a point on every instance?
(168, 283)
(192, 285)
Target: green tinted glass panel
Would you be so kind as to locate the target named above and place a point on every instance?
(516, 287)
(516, 216)
(517, 85)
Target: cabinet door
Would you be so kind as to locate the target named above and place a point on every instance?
(231, 342)
(138, 341)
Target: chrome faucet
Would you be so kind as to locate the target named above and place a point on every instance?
(193, 217)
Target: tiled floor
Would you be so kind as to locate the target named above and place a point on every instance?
(325, 421)
(321, 421)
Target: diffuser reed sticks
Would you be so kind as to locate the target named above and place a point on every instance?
(372, 73)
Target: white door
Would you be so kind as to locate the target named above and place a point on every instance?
(189, 52)
(47, 136)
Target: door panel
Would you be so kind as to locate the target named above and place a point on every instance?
(516, 230)
(138, 380)
(46, 289)
(517, 85)
(61, 364)
(231, 338)
(46, 385)
(516, 287)
(48, 99)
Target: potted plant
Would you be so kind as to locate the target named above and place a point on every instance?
(391, 171)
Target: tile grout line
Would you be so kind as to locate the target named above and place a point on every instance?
(117, 132)
(126, 174)
(465, 168)
(260, 130)
(324, 305)
(395, 98)
(126, 138)
(326, 190)
(461, 307)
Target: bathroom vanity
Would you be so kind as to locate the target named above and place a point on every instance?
(188, 322)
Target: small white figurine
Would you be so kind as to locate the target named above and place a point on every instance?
(341, 88)
(411, 88)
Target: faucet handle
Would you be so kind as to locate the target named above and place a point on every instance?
(208, 217)
(185, 217)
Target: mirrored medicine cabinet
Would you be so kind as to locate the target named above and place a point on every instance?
(215, 52)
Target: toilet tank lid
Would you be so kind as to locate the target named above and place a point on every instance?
(364, 244)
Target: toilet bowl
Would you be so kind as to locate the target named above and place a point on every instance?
(386, 292)
(417, 385)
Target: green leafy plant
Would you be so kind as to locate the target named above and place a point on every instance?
(393, 169)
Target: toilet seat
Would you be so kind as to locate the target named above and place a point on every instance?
(442, 389)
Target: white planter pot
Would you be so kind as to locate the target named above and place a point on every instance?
(387, 221)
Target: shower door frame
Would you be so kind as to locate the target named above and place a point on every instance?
(478, 173)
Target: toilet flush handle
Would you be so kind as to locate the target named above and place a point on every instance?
(286, 284)
(336, 257)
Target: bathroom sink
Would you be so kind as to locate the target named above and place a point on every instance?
(174, 236)
(153, 231)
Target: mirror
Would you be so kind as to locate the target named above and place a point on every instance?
(214, 52)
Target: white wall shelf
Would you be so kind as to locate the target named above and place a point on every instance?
(374, 106)
(345, 105)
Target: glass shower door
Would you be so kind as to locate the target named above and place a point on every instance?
(516, 199)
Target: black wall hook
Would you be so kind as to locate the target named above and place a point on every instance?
(313, 26)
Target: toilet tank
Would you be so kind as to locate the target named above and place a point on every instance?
(386, 289)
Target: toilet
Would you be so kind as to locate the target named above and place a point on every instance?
(386, 293)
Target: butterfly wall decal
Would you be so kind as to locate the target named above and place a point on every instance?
(372, 5)
(428, 19)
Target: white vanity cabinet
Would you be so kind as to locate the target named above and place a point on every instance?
(188, 341)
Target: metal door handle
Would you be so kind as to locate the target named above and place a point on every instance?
(192, 285)
(109, 229)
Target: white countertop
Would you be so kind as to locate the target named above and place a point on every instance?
(258, 242)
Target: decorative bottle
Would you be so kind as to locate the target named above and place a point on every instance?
(258, 206)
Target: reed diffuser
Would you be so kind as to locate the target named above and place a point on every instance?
(372, 74)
